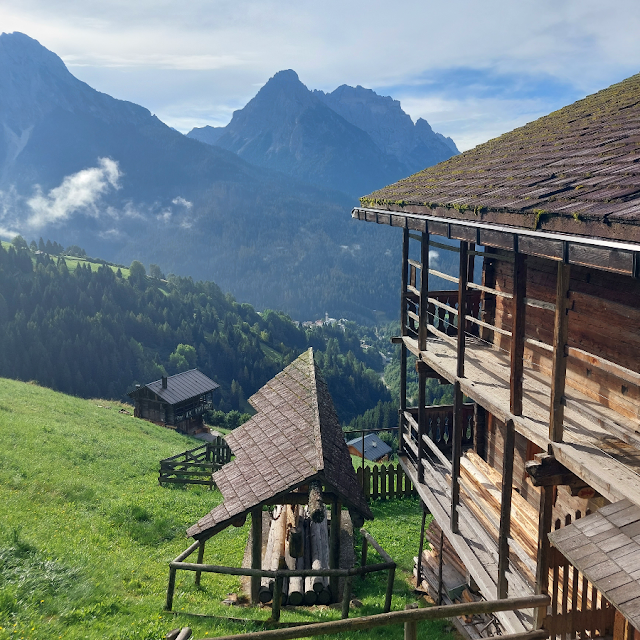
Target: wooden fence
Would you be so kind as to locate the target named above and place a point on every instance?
(195, 466)
(577, 608)
(385, 482)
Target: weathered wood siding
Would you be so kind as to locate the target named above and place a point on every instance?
(604, 320)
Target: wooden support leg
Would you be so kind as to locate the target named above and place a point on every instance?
(544, 550)
(462, 306)
(256, 552)
(422, 416)
(171, 587)
(334, 543)
(363, 561)
(346, 597)
(277, 599)
(390, 579)
(559, 366)
(505, 510)
(200, 560)
(424, 293)
(456, 452)
(440, 562)
(517, 332)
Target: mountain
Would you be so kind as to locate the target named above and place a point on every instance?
(415, 145)
(349, 140)
(287, 128)
(84, 168)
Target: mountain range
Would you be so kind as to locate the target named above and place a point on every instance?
(352, 139)
(83, 168)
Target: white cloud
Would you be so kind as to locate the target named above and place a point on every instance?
(183, 203)
(79, 192)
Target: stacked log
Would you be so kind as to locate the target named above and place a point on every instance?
(297, 542)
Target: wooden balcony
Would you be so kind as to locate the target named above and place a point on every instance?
(599, 444)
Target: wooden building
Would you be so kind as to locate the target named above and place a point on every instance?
(177, 402)
(538, 488)
(374, 449)
(294, 442)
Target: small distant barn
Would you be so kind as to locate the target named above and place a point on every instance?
(374, 449)
(177, 402)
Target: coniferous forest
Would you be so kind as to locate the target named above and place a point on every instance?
(94, 330)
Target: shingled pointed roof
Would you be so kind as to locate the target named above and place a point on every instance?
(294, 437)
(576, 170)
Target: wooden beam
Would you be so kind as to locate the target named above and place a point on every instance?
(544, 550)
(400, 617)
(518, 310)
(403, 398)
(256, 552)
(424, 292)
(403, 288)
(505, 509)
(421, 548)
(559, 367)
(456, 452)
(462, 306)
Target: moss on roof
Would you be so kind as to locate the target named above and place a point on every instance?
(582, 161)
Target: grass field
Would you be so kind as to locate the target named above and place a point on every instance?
(87, 532)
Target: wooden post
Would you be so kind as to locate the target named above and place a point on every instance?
(544, 550)
(171, 587)
(440, 563)
(487, 300)
(411, 626)
(518, 310)
(403, 292)
(277, 599)
(424, 293)
(334, 542)
(479, 430)
(505, 509)
(390, 579)
(462, 306)
(456, 452)
(200, 561)
(256, 552)
(346, 597)
(560, 334)
(422, 415)
(421, 548)
(363, 561)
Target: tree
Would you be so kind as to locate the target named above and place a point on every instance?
(20, 243)
(33, 246)
(183, 358)
(137, 270)
(155, 272)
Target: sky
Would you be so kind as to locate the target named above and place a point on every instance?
(472, 68)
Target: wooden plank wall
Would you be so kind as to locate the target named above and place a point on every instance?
(604, 319)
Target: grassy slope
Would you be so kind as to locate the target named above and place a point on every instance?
(87, 532)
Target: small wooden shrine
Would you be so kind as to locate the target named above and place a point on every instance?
(291, 453)
(177, 402)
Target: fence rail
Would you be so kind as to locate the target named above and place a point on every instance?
(385, 482)
(195, 466)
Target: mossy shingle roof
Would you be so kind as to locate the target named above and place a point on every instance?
(295, 436)
(581, 163)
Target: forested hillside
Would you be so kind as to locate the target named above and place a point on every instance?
(89, 330)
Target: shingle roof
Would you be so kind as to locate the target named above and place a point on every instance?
(294, 437)
(605, 547)
(374, 448)
(578, 164)
(182, 386)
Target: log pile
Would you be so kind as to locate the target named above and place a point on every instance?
(297, 541)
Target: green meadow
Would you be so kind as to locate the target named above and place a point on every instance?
(87, 533)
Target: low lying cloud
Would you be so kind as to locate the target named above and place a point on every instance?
(79, 192)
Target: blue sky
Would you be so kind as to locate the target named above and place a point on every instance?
(473, 68)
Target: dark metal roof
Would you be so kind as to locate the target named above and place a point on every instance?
(374, 448)
(576, 170)
(605, 547)
(294, 437)
(181, 387)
